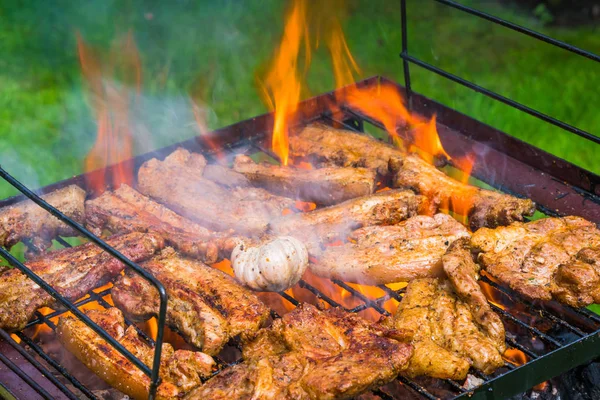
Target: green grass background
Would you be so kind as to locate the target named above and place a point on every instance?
(211, 50)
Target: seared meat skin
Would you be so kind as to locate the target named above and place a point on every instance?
(446, 337)
(324, 186)
(177, 182)
(126, 210)
(527, 256)
(397, 253)
(349, 149)
(336, 222)
(485, 208)
(27, 220)
(180, 370)
(577, 283)
(310, 354)
(72, 272)
(205, 305)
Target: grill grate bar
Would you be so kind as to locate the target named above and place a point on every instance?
(319, 295)
(34, 385)
(416, 387)
(358, 294)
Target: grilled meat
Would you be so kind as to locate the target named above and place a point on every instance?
(180, 370)
(397, 253)
(27, 220)
(336, 222)
(310, 354)
(325, 186)
(527, 257)
(577, 282)
(205, 305)
(446, 337)
(225, 176)
(126, 210)
(177, 182)
(71, 271)
(344, 148)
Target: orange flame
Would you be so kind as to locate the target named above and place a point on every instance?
(110, 102)
(281, 87)
(515, 356)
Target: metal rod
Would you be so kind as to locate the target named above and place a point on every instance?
(34, 385)
(502, 99)
(523, 30)
(405, 51)
(154, 375)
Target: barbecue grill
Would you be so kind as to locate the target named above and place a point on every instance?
(554, 338)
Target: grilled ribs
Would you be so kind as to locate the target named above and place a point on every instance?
(397, 253)
(177, 182)
(324, 186)
(126, 210)
(550, 257)
(27, 220)
(336, 222)
(310, 354)
(326, 145)
(180, 370)
(71, 271)
(205, 305)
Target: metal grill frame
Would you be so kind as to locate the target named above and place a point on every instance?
(558, 187)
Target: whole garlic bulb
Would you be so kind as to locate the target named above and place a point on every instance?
(272, 266)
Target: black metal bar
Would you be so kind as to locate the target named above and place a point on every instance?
(289, 298)
(5, 392)
(405, 51)
(34, 385)
(63, 242)
(305, 285)
(154, 373)
(417, 388)
(523, 30)
(57, 366)
(47, 374)
(502, 99)
(361, 296)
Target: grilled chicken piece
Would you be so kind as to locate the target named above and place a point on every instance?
(324, 186)
(446, 337)
(27, 220)
(126, 210)
(542, 258)
(310, 354)
(349, 149)
(72, 272)
(205, 305)
(336, 222)
(397, 253)
(177, 182)
(180, 370)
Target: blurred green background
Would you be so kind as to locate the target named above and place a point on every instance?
(210, 50)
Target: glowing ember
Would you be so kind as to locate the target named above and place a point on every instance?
(110, 103)
(514, 356)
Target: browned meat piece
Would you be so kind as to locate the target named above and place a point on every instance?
(397, 253)
(345, 148)
(324, 186)
(577, 283)
(310, 354)
(177, 182)
(225, 176)
(205, 305)
(484, 207)
(27, 220)
(446, 337)
(336, 222)
(323, 144)
(180, 370)
(126, 210)
(527, 256)
(71, 271)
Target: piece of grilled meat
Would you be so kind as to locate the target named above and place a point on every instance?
(205, 305)
(326, 186)
(177, 182)
(310, 354)
(28, 221)
(336, 222)
(397, 253)
(550, 257)
(180, 370)
(127, 210)
(326, 145)
(71, 271)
